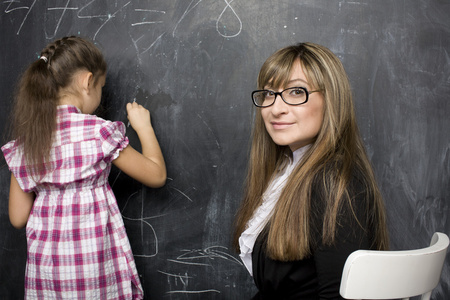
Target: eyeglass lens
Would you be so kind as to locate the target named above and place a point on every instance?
(293, 96)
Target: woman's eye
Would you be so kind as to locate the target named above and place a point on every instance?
(269, 94)
(297, 92)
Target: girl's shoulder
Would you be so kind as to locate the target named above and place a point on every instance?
(70, 116)
(9, 146)
(75, 125)
(13, 152)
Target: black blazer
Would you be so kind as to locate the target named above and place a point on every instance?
(318, 276)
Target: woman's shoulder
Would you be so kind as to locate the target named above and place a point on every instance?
(357, 194)
(333, 172)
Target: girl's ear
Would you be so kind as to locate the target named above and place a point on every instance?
(86, 81)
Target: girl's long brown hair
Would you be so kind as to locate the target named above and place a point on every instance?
(336, 154)
(37, 96)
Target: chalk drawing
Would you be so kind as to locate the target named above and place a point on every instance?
(228, 7)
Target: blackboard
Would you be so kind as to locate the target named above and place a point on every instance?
(193, 64)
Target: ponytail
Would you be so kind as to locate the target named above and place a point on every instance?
(37, 96)
(34, 116)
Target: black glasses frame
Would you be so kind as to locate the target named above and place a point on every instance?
(281, 96)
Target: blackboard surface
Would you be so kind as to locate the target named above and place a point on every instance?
(193, 64)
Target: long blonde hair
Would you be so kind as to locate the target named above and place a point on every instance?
(36, 100)
(336, 154)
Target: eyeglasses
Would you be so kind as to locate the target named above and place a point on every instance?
(291, 96)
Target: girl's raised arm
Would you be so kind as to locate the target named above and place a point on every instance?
(149, 167)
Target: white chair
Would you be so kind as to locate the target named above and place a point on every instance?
(370, 274)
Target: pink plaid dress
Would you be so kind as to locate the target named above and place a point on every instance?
(76, 239)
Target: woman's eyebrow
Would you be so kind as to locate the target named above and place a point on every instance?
(296, 80)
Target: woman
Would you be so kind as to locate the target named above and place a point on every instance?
(311, 197)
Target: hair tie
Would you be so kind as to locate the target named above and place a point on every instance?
(44, 58)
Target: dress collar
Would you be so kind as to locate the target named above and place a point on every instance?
(68, 109)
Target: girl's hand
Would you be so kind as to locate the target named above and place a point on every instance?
(138, 116)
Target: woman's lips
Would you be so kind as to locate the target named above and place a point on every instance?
(281, 125)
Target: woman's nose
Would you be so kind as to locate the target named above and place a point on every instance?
(279, 106)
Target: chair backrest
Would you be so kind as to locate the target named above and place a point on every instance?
(370, 274)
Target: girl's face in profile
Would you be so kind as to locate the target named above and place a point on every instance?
(294, 126)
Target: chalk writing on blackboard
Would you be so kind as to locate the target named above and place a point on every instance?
(108, 16)
(188, 9)
(228, 8)
(17, 6)
(148, 11)
(87, 12)
(210, 253)
(196, 257)
(144, 221)
(183, 280)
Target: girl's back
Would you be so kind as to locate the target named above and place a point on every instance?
(75, 231)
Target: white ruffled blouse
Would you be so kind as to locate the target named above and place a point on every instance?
(263, 213)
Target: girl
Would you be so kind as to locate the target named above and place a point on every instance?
(311, 197)
(60, 160)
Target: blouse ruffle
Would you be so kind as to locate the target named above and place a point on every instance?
(263, 213)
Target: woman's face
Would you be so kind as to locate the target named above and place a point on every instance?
(294, 126)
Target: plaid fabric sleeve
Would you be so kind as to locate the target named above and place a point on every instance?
(15, 160)
(113, 139)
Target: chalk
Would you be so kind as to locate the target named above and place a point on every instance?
(134, 100)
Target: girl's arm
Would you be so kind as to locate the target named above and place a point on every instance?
(149, 167)
(20, 204)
